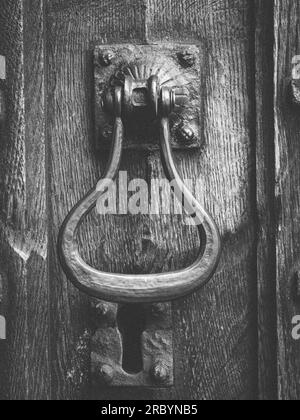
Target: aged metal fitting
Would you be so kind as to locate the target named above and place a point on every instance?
(146, 96)
(187, 58)
(104, 313)
(103, 308)
(105, 373)
(137, 91)
(185, 133)
(141, 72)
(160, 372)
(106, 58)
(141, 95)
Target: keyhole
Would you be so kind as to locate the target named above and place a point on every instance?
(131, 323)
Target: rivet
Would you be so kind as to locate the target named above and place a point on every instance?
(161, 372)
(105, 373)
(187, 58)
(106, 57)
(102, 308)
(185, 133)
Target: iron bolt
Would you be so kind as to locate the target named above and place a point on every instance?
(187, 58)
(186, 133)
(106, 57)
(106, 373)
(161, 372)
(102, 308)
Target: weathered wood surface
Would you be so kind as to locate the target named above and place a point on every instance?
(215, 330)
(287, 132)
(216, 344)
(23, 218)
(266, 217)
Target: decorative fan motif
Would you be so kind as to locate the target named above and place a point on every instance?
(168, 73)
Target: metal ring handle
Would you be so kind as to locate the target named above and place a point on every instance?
(139, 288)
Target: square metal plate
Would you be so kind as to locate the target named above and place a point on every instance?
(176, 65)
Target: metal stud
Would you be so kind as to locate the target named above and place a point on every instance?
(106, 58)
(161, 372)
(185, 133)
(187, 58)
(105, 373)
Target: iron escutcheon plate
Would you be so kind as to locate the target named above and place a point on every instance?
(176, 66)
(156, 348)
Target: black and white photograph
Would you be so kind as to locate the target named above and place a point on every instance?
(149, 203)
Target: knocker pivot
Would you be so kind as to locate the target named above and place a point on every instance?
(145, 98)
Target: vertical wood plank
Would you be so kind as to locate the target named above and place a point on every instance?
(36, 201)
(12, 198)
(227, 320)
(287, 132)
(265, 176)
(23, 223)
(73, 28)
(223, 315)
(3, 281)
(216, 354)
(215, 329)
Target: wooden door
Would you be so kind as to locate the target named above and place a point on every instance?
(232, 339)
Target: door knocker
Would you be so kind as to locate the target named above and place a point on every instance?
(137, 88)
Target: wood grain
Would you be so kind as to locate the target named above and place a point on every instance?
(221, 319)
(265, 192)
(73, 28)
(218, 353)
(215, 330)
(23, 223)
(137, 288)
(287, 131)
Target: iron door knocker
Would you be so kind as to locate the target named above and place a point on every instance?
(155, 96)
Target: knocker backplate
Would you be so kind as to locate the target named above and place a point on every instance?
(177, 66)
